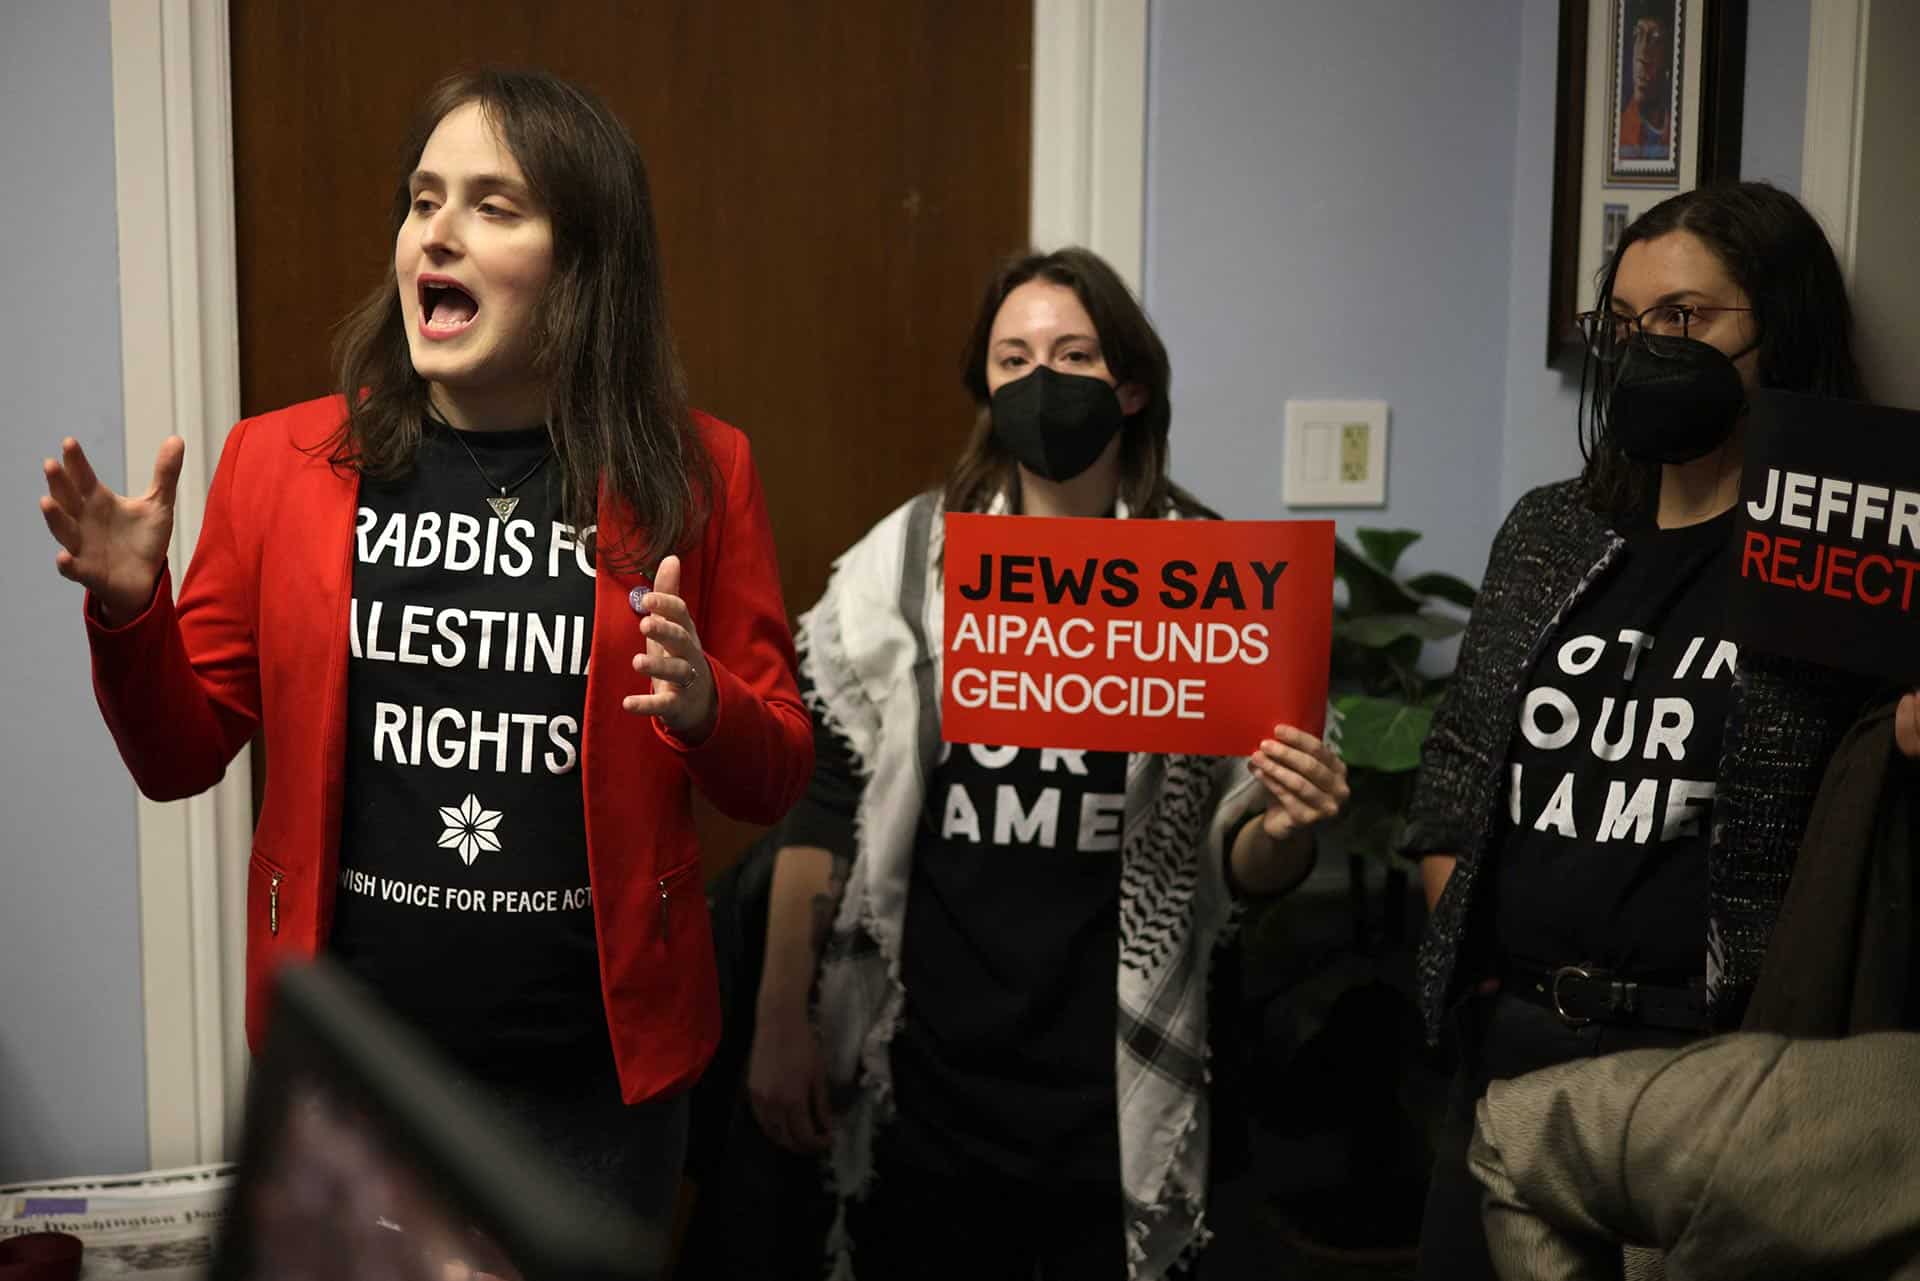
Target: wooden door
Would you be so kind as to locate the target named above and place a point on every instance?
(833, 181)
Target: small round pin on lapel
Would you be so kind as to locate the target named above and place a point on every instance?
(636, 599)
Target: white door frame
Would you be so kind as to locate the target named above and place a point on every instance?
(1088, 171)
(180, 369)
(1830, 151)
(180, 373)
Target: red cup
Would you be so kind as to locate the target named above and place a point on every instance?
(40, 1256)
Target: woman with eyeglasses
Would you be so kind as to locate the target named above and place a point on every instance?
(1612, 795)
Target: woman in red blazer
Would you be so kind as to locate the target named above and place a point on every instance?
(452, 600)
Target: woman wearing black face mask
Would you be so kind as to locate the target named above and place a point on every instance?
(1611, 797)
(982, 910)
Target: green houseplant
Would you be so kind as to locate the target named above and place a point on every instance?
(1383, 695)
(1335, 1021)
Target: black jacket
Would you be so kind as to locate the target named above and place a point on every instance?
(1786, 718)
(1843, 954)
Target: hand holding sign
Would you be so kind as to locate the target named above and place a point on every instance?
(1906, 725)
(682, 694)
(1306, 781)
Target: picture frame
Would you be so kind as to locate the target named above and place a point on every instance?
(1648, 103)
(1613, 225)
(1647, 82)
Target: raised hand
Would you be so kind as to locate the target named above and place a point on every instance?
(682, 693)
(111, 545)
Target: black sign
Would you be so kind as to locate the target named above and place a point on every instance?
(1829, 565)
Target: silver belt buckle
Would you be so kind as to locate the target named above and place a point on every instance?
(1578, 971)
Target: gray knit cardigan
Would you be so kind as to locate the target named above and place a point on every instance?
(1784, 721)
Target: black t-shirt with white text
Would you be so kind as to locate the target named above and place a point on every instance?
(1005, 1059)
(463, 896)
(1612, 769)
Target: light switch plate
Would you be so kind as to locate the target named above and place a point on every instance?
(1336, 453)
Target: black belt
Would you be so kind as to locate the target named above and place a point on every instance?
(1583, 994)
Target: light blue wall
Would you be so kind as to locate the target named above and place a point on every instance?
(1330, 192)
(72, 1075)
(1354, 199)
(1539, 441)
(1775, 110)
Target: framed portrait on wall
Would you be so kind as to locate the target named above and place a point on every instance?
(1647, 76)
(1648, 103)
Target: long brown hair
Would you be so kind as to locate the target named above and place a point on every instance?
(1778, 256)
(1134, 354)
(616, 398)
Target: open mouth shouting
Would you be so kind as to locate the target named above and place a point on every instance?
(446, 307)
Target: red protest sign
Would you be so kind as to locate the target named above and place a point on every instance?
(1135, 635)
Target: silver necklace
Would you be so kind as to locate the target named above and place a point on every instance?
(504, 502)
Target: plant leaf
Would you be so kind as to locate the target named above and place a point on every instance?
(1453, 590)
(1384, 546)
(1382, 630)
(1381, 733)
(1370, 589)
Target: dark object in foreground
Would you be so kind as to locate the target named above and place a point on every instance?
(363, 1154)
(1368, 1212)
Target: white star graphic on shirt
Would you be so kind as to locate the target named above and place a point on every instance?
(469, 829)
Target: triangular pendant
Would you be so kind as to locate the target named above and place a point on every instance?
(503, 506)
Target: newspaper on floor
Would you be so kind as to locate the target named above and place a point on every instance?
(157, 1226)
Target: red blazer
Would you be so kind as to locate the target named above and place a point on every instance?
(258, 640)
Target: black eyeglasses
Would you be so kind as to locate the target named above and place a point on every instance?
(1606, 332)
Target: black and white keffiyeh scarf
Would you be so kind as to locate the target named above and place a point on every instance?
(870, 649)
